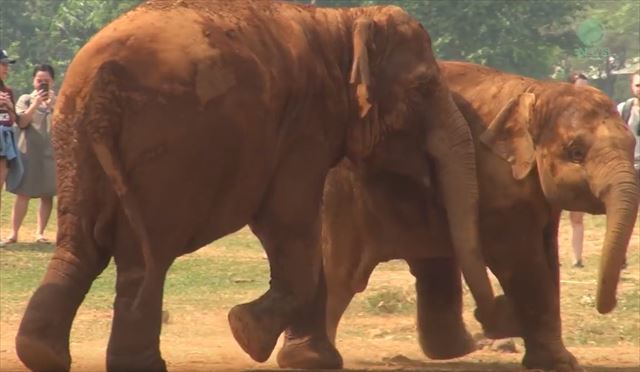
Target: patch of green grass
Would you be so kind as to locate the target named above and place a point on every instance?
(210, 282)
(391, 300)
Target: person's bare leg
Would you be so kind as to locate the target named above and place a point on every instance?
(46, 204)
(577, 238)
(17, 215)
(3, 176)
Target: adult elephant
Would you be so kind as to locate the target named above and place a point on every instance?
(541, 147)
(182, 121)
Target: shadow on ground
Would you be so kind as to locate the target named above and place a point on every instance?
(402, 363)
(28, 247)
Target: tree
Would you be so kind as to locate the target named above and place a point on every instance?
(51, 31)
(618, 47)
(525, 37)
(535, 38)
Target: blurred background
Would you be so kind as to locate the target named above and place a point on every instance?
(537, 38)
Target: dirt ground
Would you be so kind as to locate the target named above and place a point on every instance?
(219, 352)
(186, 349)
(202, 341)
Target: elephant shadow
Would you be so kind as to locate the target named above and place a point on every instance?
(402, 363)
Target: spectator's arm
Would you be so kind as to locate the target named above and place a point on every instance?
(25, 108)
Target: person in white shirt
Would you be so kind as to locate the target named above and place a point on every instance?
(630, 112)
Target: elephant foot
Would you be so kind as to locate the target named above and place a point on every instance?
(38, 354)
(445, 343)
(140, 362)
(503, 322)
(308, 353)
(546, 358)
(42, 342)
(257, 325)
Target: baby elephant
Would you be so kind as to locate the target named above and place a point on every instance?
(541, 147)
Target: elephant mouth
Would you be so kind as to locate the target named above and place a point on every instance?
(581, 202)
(595, 209)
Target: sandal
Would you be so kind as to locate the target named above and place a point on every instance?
(43, 240)
(8, 241)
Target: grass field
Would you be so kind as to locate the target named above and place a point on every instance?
(378, 330)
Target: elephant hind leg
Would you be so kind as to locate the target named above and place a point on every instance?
(441, 329)
(339, 296)
(42, 342)
(134, 344)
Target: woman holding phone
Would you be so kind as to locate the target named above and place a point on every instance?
(36, 152)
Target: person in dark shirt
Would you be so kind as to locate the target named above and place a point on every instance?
(8, 148)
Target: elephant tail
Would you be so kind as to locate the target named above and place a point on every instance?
(103, 117)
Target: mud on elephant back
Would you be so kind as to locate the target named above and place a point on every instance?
(541, 147)
(232, 113)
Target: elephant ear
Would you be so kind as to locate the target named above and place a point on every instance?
(366, 131)
(360, 71)
(508, 135)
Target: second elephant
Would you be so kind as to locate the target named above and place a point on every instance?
(541, 147)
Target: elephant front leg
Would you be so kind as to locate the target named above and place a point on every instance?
(42, 342)
(530, 283)
(538, 308)
(296, 299)
(344, 269)
(306, 343)
(288, 227)
(134, 344)
(441, 329)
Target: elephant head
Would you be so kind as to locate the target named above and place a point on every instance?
(398, 88)
(583, 153)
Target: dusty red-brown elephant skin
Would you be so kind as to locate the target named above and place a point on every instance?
(541, 147)
(182, 121)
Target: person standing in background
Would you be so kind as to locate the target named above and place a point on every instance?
(8, 148)
(577, 218)
(630, 112)
(35, 111)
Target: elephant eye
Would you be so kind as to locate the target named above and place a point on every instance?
(423, 88)
(576, 153)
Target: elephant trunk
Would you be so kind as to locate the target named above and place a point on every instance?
(621, 202)
(452, 146)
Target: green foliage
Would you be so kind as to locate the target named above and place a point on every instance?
(620, 47)
(51, 31)
(534, 38)
(526, 37)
